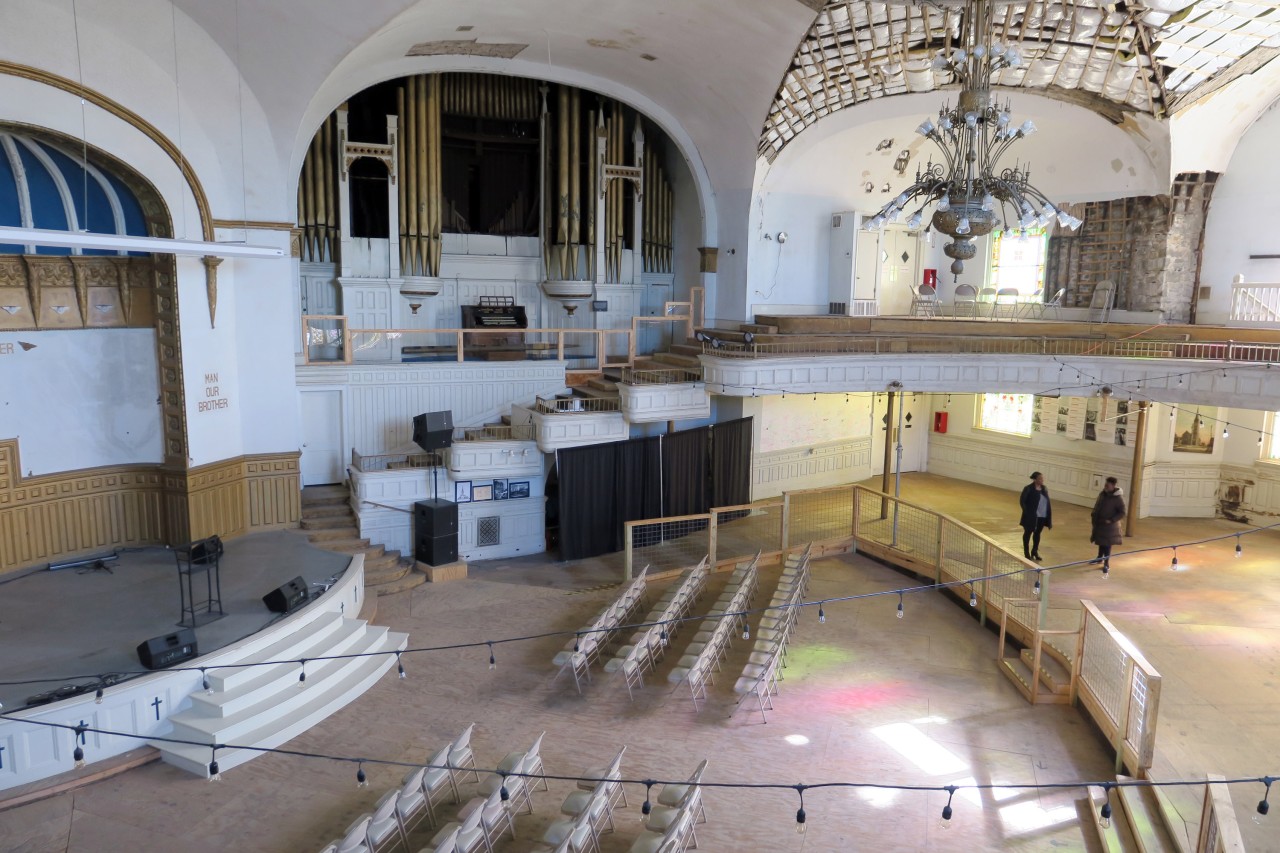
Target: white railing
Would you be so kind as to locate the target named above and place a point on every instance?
(1255, 303)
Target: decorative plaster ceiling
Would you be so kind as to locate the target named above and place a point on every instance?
(1152, 58)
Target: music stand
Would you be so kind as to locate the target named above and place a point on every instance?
(201, 555)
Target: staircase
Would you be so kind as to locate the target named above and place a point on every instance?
(1138, 821)
(1052, 682)
(328, 523)
(265, 706)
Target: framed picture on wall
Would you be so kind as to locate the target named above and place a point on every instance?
(482, 493)
(499, 490)
(518, 489)
(462, 492)
(1193, 429)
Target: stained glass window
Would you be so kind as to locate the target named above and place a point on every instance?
(1017, 260)
(1006, 412)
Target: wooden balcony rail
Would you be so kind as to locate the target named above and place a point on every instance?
(577, 405)
(669, 376)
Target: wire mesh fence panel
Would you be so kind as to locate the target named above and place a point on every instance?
(1138, 701)
(820, 514)
(742, 531)
(900, 526)
(1102, 667)
(1020, 585)
(669, 544)
(963, 551)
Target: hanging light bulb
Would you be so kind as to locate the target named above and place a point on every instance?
(1105, 812)
(899, 605)
(400, 667)
(1174, 565)
(800, 818)
(973, 596)
(214, 774)
(1036, 588)
(204, 681)
(1225, 434)
(97, 696)
(493, 663)
(362, 780)
(822, 617)
(927, 126)
(962, 227)
(746, 628)
(1239, 549)
(77, 756)
(944, 204)
(945, 822)
(647, 807)
(1263, 805)
(302, 674)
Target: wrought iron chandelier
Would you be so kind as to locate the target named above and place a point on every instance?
(970, 189)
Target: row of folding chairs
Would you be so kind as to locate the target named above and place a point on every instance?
(663, 622)
(588, 811)
(593, 637)
(710, 645)
(672, 821)
(760, 675)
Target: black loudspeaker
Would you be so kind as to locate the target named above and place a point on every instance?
(435, 532)
(205, 552)
(159, 652)
(287, 597)
(433, 430)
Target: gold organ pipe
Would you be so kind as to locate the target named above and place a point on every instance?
(668, 215)
(318, 181)
(435, 194)
(410, 214)
(648, 205)
(575, 177)
(593, 191)
(562, 149)
(329, 166)
(305, 214)
(401, 171)
(423, 145)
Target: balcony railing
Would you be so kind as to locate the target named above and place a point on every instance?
(496, 432)
(813, 345)
(577, 405)
(666, 376)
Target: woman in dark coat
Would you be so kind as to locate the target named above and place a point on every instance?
(1108, 512)
(1037, 515)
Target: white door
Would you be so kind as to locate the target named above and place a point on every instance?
(322, 450)
(915, 432)
(865, 265)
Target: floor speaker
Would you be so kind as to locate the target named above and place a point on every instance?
(435, 532)
(159, 652)
(287, 597)
(437, 551)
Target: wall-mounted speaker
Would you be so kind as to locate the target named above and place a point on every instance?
(433, 430)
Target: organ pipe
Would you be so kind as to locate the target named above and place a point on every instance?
(317, 193)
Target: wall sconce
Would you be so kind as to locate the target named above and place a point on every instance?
(901, 163)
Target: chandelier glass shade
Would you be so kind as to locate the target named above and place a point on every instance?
(971, 194)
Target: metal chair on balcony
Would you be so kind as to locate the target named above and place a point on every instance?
(924, 301)
(1006, 304)
(965, 301)
(1104, 294)
(1044, 308)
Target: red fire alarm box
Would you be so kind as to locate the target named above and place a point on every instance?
(931, 279)
(939, 421)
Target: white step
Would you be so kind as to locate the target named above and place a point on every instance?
(266, 680)
(291, 647)
(289, 693)
(319, 698)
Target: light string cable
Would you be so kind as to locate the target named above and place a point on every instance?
(578, 633)
(1097, 382)
(80, 729)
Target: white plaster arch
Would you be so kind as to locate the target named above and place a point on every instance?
(343, 85)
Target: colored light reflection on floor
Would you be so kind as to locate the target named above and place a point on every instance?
(1024, 815)
(816, 657)
(921, 750)
(796, 740)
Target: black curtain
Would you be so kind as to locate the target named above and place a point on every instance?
(586, 500)
(731, 463)
(684, 472)
(637, 484)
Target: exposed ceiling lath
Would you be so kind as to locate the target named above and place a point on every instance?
(1126, 56)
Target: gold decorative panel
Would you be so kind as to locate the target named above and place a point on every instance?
(76, 292)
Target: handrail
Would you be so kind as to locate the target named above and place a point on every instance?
(825, 345)
(385, 506)
(496, 432)
(366, 464)
(666, 376)
(577, 405)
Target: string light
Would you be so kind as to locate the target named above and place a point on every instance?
(503, 793)
(1225, 434)
(1105, 812)
(576, 646)
(493, 663)
(214, 774)
(800, 815)
(302, 673)
(746, 627)
(97, 696)
(1173, 566)
(362, 778)
(1239, 547)
(1036, 588)
(822, 616)
(647, 807)
(899, 605)
(77, 755)
(400, 667)
(945, 823)
(204, 681)
(973, 596)
(1263, 805)
(662, 635)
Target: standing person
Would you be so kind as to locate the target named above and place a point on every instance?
(1108, 512)
(1037, 515)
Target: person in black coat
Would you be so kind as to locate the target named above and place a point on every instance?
(1037, 515)
(1108, 512)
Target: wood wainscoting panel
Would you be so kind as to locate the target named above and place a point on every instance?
(55, 516)
(274, 490)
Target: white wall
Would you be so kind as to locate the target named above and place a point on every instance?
(264, 312)
(824, 170)
(802, 443)
(1241, 222)
(80, 399)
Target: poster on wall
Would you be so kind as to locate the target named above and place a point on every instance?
(1077, 409)
(1045, 418)
(1193, 429)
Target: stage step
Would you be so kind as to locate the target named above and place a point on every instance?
(693, 350)
(330, 524)
(1054, 677)
(326, 522)
(351, 546)
(307, 637)
(316, 496)
(1142, 812)
(1019, 672)
(291, 710)
(388, 572)
(671, 359)
(412, 578)
(346, 531)
(322, 511)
